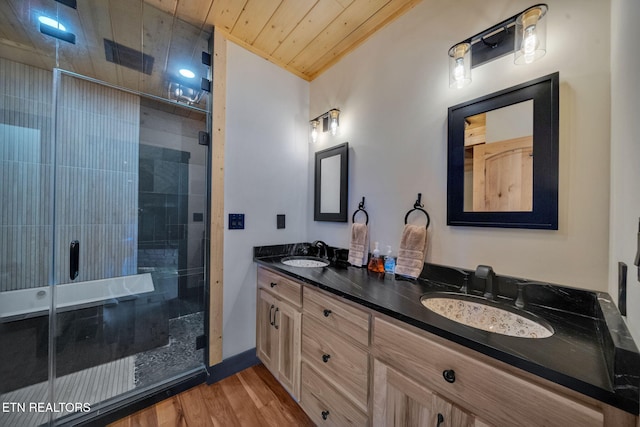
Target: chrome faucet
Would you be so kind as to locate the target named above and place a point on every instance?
(486, 273)
(322, 248)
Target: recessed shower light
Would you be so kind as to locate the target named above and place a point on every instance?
(187, 73)
(52, 23)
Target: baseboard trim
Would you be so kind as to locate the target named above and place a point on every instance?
(232, 365)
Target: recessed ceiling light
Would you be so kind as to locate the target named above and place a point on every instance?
(187, 73)
(52, 23)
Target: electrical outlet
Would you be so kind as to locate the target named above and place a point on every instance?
(622, 288)
(280, 221)
(236, 221)
(636, 261)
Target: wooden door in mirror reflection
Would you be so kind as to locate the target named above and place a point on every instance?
(503, 176)
(499, 160)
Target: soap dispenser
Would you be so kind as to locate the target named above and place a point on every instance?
(389, 262)
(375, 263)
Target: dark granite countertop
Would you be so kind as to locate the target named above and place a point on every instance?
(591, 350)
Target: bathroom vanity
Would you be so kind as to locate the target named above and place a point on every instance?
(360, 348)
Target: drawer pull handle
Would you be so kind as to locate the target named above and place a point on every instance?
(273, 284)
(440, 420)
(326, 312)
(326, 357)
(449, 375)
(325, 415)
(271, 322)
(275, 325)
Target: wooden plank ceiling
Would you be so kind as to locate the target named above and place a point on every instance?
(304, 37)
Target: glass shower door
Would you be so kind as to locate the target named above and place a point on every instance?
(26, 239)
(102, 207)
(129, 242)
(98, 290)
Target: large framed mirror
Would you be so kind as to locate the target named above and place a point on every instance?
(331, 188)
(503, 158)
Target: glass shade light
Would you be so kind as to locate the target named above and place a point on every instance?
(333, 121)
(460, 65)
(313, 124)
(531, 35)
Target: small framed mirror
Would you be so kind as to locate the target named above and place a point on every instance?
(331, 178)
(503, 158)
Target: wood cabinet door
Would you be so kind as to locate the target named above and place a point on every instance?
(288, 328)
(266, 334)
(399, 401)
(449, 415)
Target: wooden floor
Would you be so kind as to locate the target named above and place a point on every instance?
(252, 397)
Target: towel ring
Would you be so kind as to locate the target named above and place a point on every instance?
(361, 208)
(417, 206)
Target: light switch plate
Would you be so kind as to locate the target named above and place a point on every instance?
(236, 221)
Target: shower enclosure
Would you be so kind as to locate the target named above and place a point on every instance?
(104, 189)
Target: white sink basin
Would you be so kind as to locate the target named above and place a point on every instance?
(474, 312)
(304, 262)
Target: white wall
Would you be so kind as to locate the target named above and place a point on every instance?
(266, 155)
(625, 151)
(393, 94)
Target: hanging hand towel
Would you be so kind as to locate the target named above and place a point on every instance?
(358, 245)
(413, 247)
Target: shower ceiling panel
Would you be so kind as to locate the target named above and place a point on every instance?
(172, 42)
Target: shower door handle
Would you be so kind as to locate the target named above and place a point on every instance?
(74, 259)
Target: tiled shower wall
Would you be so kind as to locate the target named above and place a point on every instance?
(172, 200)
(96, 178)
(25, 176)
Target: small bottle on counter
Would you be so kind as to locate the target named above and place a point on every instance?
(389, 262)
(376, 263)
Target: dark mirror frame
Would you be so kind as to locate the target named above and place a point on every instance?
(341, 150)
(545, 94)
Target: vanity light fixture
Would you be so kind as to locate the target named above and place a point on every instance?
(330, 123)
(523, 34)
(333, 121)
(531, 35)
(314, 130)
(460, 65)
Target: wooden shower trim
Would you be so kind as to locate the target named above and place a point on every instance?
(217, 197)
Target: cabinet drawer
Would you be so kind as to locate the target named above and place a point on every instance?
(281, 286)
(497, 396)
(341, 361)
(325, 405)
(337, 316)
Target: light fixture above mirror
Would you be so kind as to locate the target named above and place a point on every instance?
(460, 65)
(523, 34)
(330, 122)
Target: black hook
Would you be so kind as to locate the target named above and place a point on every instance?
(417, 206)
(418, 203)
(361, 208)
